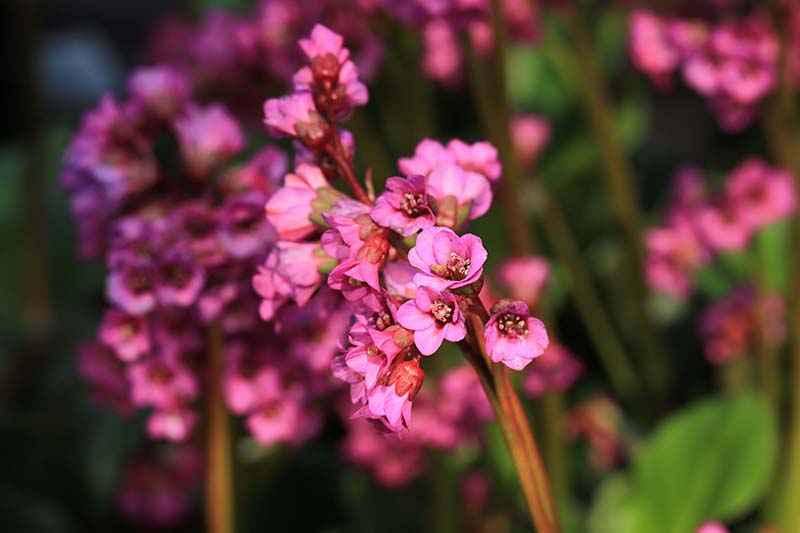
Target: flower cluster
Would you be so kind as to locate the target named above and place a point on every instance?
(698, 226)
(440, 24)
(733, 63)
(181, 234)
(156, 487)
(234, 56)
(444, 420)
(736, 325)
(411, 280)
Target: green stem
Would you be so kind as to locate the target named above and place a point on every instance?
(589, 305)
(219, 486)
(619, 180)
(783, 143)
(513, 424)
(549, 411)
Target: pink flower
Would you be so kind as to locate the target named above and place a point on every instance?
(674, 253)
(131, 286)
(555, 371)
(442, 59)
(460, 195)
(530, 133)
(161, 383)
(161, 89)
(524, 278)
(512, 336)
(289, 272)
(433, 316)
(248, 381)
(283, 419)
(171, 424)
(179, 279)
(290, 209)
(208, 137)
(295, 115)
(427, 155)
(390, 401)
(481, 158)
(651, 46)
(723, 227)
(244, 232)
(712, 527)
(761, 194)
(127, 335)
(398, 276)
(403, 207)
(445, 260)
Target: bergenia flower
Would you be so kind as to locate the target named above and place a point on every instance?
(290, 209)
(512, 336)
(208, 137)
(128, 335)
(480, 157)
(433, 316)
(445, 260)
(403, 207)
(524, 278)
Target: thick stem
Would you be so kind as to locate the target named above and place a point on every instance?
(619, 180)
(219, 485)
(513, 424)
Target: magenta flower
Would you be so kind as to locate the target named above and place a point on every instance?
(284, 419)
(398, 277)
(171, 424)
(248, 381)
(674, 253)
(524, 278)
(555, 371)
(244, 232)
(481, 158)
(161, 383)
(392, 399)
(442, 58)
(513, 337)
(433, 316)
(761, 194)
(160, 89)
(403, 207)
(290, 209)
(179, 279)
(445, 260)
(208, 137)
(460, 195)
(651, 46)
(126, 334)
(295, 115)
(291, 271)
(530, 133)
(712, 527)
(427, 155)
(132, 285)
(723, 227)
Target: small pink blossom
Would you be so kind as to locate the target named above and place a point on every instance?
(460, 195)
(171, 424)
(712, 527)
(179, 279)
(427, 155)
(244, 232)
(403, 207)
(161, 89)
(480, 157)
(555, 371)
(530, 133)
(445, 260)
(295, 115)
(524, 278)
(127, 335)
(283, 419)
(208, 137)
(290, 209)
(131, 286)
(513, 337)
(433, 317)
(673, 254)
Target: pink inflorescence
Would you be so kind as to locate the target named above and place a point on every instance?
(181, 234)
(733, 63)
(735, 325)
(699, 225)
(407, 275)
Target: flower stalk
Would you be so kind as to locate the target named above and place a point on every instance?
(513, 424)
(219, 485)
(619, 180)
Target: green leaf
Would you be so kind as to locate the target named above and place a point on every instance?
(713, 460)
(613, 508)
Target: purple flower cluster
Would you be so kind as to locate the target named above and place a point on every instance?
(733, 63)
(441, 22)
(698, 226)
(734, 326)
(181, 234)
(408, 277)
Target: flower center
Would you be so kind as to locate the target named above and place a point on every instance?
(413, 205)
(511, 325)
(457, 267)
(381, 321)
(442, 312)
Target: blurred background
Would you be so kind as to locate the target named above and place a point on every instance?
(64, 459)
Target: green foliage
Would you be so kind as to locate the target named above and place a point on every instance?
(712, 460)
